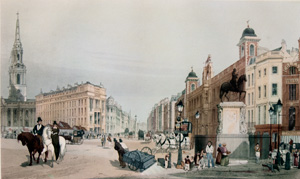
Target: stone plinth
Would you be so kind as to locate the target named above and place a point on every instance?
(232, 128)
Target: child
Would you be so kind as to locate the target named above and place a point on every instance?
(187, 163)
(166, 161)
(201, 161)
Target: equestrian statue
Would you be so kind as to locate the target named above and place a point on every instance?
(233, 85)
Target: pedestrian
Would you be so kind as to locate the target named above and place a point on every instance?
(296, 158)
(209, 154)
(187, 162)
(219, 155)
(192, 162)
(257, 152)
(201, 161)
(288, 161)
(197, 158)
(123, 145)
(291, 145)
(102, 140)
(118, 147)
(225, 153)
(55, 139)
(166, 161)
(109, 140)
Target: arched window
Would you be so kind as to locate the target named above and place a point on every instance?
(18, 56)
(293, 70)
(242, 51)
(251, 50)
(193, 87)
(18, 79)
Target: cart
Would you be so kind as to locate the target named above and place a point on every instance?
(138, 160)
(77, 137)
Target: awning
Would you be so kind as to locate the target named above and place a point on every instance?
(288, 135)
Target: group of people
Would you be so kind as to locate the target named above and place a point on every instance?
(38, 132)
(199, 161)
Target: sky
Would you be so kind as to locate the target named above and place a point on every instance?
(141, 51)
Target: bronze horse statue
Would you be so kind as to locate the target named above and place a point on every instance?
(33, 145)
(227, 86)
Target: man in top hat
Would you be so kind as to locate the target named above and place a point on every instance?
(38, 130)
(55, 139)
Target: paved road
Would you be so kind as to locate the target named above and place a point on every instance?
(90, 160)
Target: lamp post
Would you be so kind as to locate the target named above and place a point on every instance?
(277, 110)
(271, 112)
(180, 109)
(197, 116)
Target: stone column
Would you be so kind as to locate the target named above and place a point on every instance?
(23, 118)
(12, 117)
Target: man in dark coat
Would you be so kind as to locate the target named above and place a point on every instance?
(55, 139)
(38, 131)
(118, 147)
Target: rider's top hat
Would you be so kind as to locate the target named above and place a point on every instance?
(54, 123)
(39, 119)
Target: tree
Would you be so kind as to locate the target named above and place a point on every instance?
(126, 130)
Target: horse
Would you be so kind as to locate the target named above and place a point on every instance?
(63, 148)
(48, 146)
(32, 143)
(226, 87)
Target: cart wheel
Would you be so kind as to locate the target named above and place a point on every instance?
(132, 167)
(147, 150)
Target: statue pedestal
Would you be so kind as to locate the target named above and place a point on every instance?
(232, 129)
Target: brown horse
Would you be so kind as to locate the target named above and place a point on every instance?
(33, 145)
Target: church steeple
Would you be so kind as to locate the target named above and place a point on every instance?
(17, 70)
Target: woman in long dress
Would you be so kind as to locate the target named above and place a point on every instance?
(219, 155)
(225, 158)
(296, 157)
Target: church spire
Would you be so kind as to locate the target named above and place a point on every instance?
(17, 34)
(17, 69)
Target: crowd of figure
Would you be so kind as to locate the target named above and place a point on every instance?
(200, 158)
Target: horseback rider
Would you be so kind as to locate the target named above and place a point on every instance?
(233, 80)
(38, 131)
(55, 139)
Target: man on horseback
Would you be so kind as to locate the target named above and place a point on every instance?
(38, 131)
(233, 79)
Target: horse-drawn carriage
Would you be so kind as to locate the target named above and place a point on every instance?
(138, 160)
(141, 135)
(76, 138)
(167, 144)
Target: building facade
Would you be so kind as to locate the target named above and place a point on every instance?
(80, 105)
(17, 112)
(118, 120)
(290, 97)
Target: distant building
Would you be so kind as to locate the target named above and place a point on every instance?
(118, 120)
(79, 105)
(17, 112)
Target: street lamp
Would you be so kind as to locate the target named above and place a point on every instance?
(277, 109)
(180, 109)
(271, 112)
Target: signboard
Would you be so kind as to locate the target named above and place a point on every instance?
(186, 127)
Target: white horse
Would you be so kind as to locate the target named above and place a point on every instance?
(48, 146)
(63, 148)
(184, 141)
